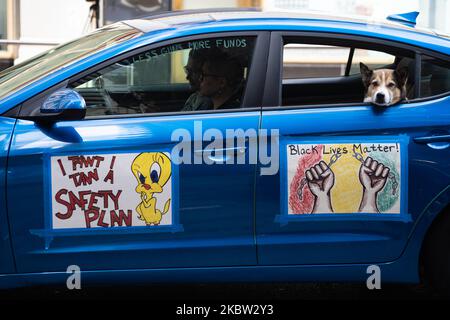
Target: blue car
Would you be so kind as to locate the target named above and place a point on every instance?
(229, 146)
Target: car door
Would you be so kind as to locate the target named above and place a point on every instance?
(78, 190)
(325, 205)
(6, 261)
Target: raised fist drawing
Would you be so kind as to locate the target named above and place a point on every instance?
(373, 176)
(320, 180)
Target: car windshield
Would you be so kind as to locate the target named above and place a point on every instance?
(19, 76)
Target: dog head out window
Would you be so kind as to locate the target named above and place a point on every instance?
(320, 71)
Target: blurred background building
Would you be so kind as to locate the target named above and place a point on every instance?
(28, 27)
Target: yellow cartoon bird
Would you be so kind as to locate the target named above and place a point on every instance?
(152, 171)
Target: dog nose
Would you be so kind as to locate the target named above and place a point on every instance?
(380, 97)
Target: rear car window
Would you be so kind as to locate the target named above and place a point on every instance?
(435, 77)
(303, 61)
(327, 71)
(371, 58)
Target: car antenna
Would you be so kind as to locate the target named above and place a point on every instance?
(408, 18)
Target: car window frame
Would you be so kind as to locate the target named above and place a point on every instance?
(446, 61)
(272, 98)
(348, 67)
(251, 101)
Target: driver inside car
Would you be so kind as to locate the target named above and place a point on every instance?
(193, 70)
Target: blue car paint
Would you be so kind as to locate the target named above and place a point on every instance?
(6, 261)
(408, 19)
(215, 204)
(320, 241)
(394, 245)
(400, 272)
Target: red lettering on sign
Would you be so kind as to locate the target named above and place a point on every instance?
(115, 198)
(68, 205)
(110, 176)
(79, 201)
(100, 222)
(86, 162)
(122, 218)
(112, 162)
(92, 201)
(86, 200)
(61, 167)
(81, 178)
(90, 216)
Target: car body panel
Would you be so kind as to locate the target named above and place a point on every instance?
(379, 238)
(325, 239)
(211, 230)
(399, 272)
(6, 261)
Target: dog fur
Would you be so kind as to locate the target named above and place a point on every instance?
(384, 87)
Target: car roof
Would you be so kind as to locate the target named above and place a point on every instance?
(176, 19)
(190, 22)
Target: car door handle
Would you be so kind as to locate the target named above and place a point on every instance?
(226, 153)
(432, 139)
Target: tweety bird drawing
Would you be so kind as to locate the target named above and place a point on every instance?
(152, 171)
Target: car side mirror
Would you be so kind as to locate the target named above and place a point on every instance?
(61, 105)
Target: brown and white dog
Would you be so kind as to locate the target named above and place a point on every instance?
(384, 87)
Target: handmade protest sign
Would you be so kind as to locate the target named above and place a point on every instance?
(111, 190)
(344, 178)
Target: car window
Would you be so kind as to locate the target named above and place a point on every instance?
(3, 25)
(327, 71)
(21, 75)
(302, 61)
(371, 58)
(435, 77)
(195, 75)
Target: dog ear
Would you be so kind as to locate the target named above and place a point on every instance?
(401, 75)
(366, 74)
